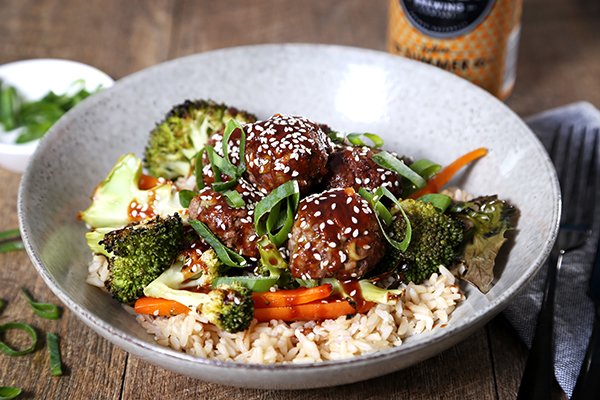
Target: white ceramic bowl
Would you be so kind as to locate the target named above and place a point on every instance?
(33, 79)
(419, 110)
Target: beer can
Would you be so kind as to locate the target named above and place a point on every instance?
(475, 39)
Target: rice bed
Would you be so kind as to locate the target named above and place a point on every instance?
(420, 308)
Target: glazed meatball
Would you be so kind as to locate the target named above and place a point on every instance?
(283, 148)
(335, 235)
(354, 167)
(233, 226)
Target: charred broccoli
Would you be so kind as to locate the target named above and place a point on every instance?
(435, 240)
(174, 142)
(139, 253)
(486, 220)
(118, 200)
(229, 307)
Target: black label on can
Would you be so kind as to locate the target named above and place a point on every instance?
(446, 18)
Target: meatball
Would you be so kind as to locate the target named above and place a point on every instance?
(283, 148)
(233, 226)
(354, 167)
(335, 235)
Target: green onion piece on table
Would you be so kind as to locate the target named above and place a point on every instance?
(226, 255)
(52, 340)
(28, 329)
(2, 305)
(11, 246)
(44, 310)
(9, 392)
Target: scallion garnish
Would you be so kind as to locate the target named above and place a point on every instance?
(185, 197)
(9, 392)
(377, 206)
(28, 329)
(274, 214)
(439, 201)
(234, 199)
(44, 310)
(375, 202)
(388, 161)
(198, 169)
(254, 283)
(54, 352)
(232, 125)
(226, 255)
(10, 240)
(10, 234)
(357, 139)
(425, 168)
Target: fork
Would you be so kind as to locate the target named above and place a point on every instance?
(577, 170)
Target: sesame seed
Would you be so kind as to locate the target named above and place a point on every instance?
(318, 214)
(317, 256)
(355, 233)
(366, 247)
(333, 206)
(349, 200)
(356, 209)
(354, 220)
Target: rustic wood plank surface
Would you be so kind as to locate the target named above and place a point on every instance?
(559, 63)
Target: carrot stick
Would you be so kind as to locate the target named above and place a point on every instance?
(312, 311)
(283, 298)
(159, 307)
(441, 178)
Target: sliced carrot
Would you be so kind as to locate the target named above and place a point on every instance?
(441, 178)
(284, 298)
(159, 307)
(317, 310)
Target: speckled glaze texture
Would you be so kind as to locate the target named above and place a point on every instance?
(419, 110)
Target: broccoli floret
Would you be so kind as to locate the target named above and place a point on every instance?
(201, 271)
(435, 240)
(174, 142)
(139, 253)
(486, 220)
(229, 307)
(114, 199)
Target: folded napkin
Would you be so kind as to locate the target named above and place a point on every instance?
(574, 311)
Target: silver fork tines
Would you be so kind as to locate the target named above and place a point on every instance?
(575, 156)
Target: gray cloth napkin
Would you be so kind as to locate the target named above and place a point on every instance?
(574, 311)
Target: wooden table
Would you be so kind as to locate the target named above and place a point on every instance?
(559, 63)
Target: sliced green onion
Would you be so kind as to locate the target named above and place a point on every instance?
(219, 165)
(254, 283)
(54, 352)
(11, 246)
(44, 310)
(265, 223)
(222, 186)
(2, 305)
(198, 169)
(10, 234)
(226, 255)
(308, 283)
(378, 207)
(28, 329)
(9, 392)
(381, 192)
(425, 168)
(357, 139)
(336, 137)
(232, 125)
(185, 197)
(388, 161)
(234, 199)
(439, 201)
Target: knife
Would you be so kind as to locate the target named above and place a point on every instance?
(588, 381)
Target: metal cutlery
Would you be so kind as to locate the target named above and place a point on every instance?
(576, 164)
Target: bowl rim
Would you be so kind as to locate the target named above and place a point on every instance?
(141, 346)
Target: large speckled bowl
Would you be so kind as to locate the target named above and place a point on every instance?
(419, 110)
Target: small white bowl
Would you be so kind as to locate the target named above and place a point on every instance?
(34, 79)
